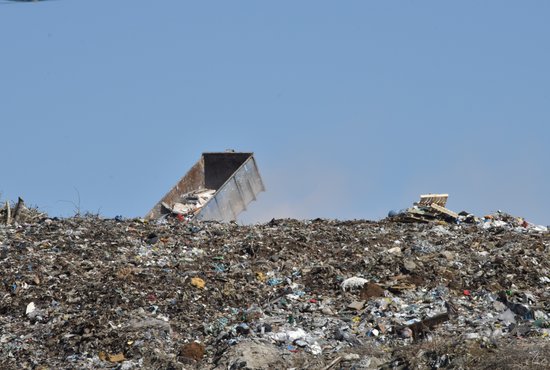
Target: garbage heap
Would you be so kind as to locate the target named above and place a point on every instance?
(432, 207)
(92, 293)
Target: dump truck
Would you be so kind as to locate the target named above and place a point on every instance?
(217, 188)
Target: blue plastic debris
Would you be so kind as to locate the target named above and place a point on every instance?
(274, 281)
(219, 267)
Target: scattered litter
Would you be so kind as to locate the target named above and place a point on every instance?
(198, 283)
(430, 207)
(353, 282)
(30, 308)
(128, 294)
(194, 351)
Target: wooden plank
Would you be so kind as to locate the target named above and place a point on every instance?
(429, 199)
(444, 210)
(8, 213)
(18, 206)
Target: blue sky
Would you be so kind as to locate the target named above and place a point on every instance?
(352, 108)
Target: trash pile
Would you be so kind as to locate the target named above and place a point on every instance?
(19, 212)
(92, 293)
(431, 207)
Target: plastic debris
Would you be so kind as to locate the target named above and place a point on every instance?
(353, 282)
(129, 294)
(30, 308)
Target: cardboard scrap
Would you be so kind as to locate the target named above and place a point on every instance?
(104, 356)
(119, 357)
(357, 305)
(198, 283)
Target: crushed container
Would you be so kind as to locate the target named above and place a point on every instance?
(217, 188)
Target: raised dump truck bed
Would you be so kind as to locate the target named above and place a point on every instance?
(218, 188)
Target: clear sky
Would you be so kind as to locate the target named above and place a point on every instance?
(352, 108)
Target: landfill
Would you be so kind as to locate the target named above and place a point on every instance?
(87, 292)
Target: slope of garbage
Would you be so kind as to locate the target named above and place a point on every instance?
(92, 293)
